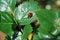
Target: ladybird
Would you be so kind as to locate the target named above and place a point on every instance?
(30, 15)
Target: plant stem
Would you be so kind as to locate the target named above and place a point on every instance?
(12, 14)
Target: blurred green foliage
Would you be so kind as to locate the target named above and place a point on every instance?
(46, 19)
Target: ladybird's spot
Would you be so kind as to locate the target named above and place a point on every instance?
(30, 15)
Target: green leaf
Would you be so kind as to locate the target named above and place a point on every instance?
(7, 5)
(36, 37)
(0, 18)
(21, 13)
(6, 17)
(46, 18)
(6, 23)
(26, 31)
(6, 28)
